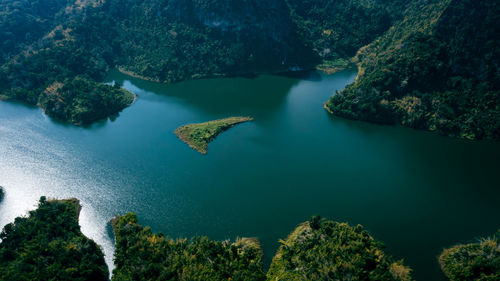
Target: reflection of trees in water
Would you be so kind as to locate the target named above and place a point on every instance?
(241, 95)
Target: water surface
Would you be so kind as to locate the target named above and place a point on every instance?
(416, 191)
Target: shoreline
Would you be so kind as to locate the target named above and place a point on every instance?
(199, 135)
(241, 74)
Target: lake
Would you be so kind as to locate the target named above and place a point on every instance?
(416, 191)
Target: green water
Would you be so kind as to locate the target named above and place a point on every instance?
(416, 191)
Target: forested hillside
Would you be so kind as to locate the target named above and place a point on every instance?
(24, 22)
(48, 245)
(437, 69)
(431, 64)
(167, 41)
(337, 29)
(59, 56)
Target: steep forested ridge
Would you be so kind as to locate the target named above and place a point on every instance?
(65, 55)
(437, 69)
(24, 22)
(431, 64)
(184, 39)
(48, 245)
(164, 41)
(337, 29)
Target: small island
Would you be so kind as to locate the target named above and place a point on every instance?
(1, 193)
(199, 135)
(82, 101)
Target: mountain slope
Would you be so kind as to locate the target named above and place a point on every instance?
(168, 41)
(437, 69)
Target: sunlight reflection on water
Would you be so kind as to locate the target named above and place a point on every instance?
(36, 167)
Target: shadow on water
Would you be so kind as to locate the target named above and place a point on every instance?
(262, 94)
(307, 75)
(95, 125)
(415, 191)
(435, 182)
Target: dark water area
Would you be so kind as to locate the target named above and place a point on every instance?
(416, 191)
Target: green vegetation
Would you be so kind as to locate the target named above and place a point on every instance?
(327, 250)
(142, 255)
(48, 245)
(24, 22)
(184, 39)
(316, 250)
(61, 49)
(336, 29)
(83, 101)
(331, 67)
(198, 136)
(436, 69)
(476, 261)
(57, 41)
(156, 40)
(426, 64)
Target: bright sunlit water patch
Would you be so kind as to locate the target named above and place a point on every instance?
(415, 191)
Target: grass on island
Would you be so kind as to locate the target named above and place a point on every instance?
(198, 136)
(333, 66)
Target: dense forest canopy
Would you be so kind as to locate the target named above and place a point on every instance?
(325, 250)
(437, 69)
(48, 245)
(57, 41)
(475, 261)
(143, 255)
(427, 64)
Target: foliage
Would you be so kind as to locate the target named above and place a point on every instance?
(167, 41)
(476, 261)
(198, 136)
(48, 244)
(337, 29)
(327, 250)
(436, 69)
(83, 101)
(142, 255)
(23, 22)
(68, 49)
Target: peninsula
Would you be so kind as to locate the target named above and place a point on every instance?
(199, 135)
